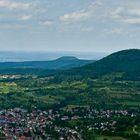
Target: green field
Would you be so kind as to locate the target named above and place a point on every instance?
(85, 92)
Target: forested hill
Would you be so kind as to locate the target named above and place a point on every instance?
(58, 64)
(126, 61)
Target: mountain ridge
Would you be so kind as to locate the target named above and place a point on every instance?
(126, 61)
(61, 63)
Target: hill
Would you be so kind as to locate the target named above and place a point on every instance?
(126, 61)
(60, 63)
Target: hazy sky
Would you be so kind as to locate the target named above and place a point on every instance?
(69, 25)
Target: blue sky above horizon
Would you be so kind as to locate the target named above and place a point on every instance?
(69, 25)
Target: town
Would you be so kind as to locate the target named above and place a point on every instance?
(62, 124)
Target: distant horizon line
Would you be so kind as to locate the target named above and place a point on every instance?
(65, 51)
(20, 56)
(45, 51)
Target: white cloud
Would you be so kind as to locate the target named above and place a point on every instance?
(25, 17)
(116, 31)
(129, 15)
(47, 23)
(14, 5)
(82, 14)
(132, 20)
(116, 13)
(96, 3)
(79, 15)
(134, 12)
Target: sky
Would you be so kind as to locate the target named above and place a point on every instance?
(69, 25)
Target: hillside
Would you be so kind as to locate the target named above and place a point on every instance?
(92, 96)
(60, 63)
(126, 61)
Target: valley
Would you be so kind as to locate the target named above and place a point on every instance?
(98, 101)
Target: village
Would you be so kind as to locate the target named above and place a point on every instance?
(20, 124)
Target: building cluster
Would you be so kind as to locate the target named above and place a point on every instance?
(20, 124)
(102, 120)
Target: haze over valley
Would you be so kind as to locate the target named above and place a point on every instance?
(19, 56)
